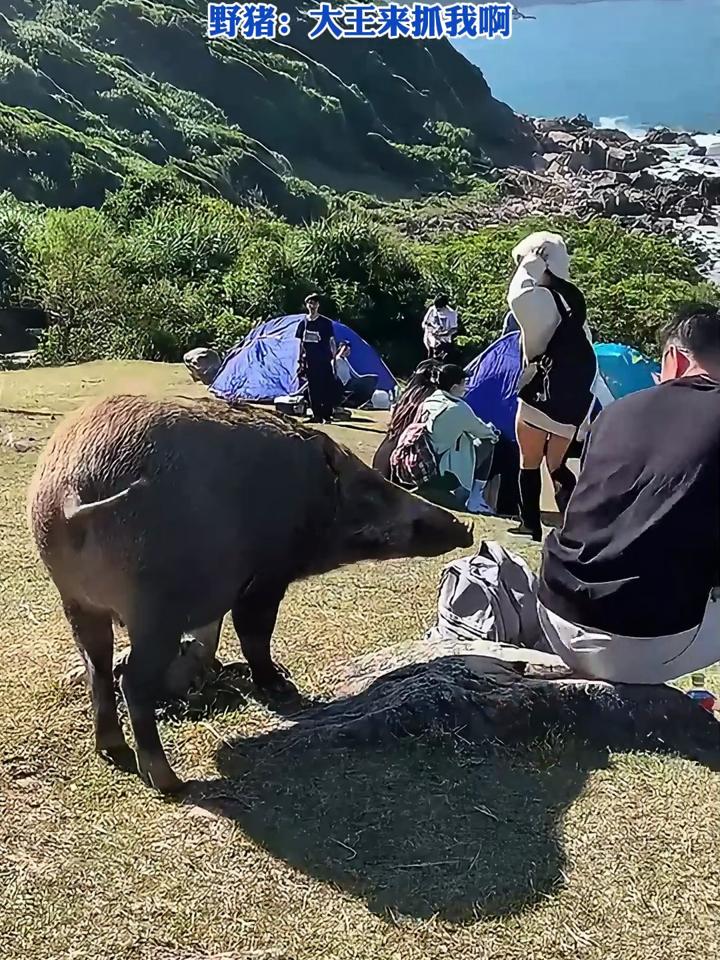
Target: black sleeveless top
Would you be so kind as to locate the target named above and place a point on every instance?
(561, 387)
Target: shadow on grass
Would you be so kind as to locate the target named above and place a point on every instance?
(413, 827)
(354, 424)
(230, 688)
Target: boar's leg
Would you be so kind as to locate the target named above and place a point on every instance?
(93, 635)
(254, 616)
(152, 648)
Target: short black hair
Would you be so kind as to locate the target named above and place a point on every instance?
(312, 296)
(441, 300)
(696, 329)
(450, 376)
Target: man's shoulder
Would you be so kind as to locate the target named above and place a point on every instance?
(646, 399)
(664, 400)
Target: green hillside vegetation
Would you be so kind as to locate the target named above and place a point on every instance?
(160, 191)
(90, 93)
(160, 268)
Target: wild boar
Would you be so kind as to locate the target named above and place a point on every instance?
(164, 515)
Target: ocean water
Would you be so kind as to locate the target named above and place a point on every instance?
(639, 62)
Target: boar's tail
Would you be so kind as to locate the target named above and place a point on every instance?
(73, 508)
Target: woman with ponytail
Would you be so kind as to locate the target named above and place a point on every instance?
(422, 383)
(559, 368)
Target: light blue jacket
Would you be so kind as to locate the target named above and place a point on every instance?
(453, 427)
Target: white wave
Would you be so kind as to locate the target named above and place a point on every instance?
(623, 123)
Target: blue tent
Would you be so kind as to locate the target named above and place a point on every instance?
(264, 365)
(492, 378)
(622, 370)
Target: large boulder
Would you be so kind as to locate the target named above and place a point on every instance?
(558, 141)
(609, 178)
(629, 161)
(611, 135)
(643, 180)
(596, 152)
(496, 693)
(566, 124)
(663, 136)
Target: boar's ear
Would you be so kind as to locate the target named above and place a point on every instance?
(336, 456)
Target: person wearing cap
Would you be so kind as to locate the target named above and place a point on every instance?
(317, 355)
(558, 370)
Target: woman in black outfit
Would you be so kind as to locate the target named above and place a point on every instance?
(559, 368)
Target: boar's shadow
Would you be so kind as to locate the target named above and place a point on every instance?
(404, 795)
(414, 827)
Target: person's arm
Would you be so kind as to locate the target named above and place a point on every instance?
(472, 424)
(535, 312)
(332, 343)
(299, 333)
(429, 321)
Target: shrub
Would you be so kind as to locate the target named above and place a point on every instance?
(160, 269)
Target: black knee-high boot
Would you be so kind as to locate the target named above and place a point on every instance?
(530, 486)
(564, 483)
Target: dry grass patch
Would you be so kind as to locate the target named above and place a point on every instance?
(422, 850)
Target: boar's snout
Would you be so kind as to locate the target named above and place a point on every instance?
(435, 531)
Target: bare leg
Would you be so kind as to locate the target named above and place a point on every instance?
(254, 616)
(153, 647)
(93, 635)
(194, 660)
(532, 443)
(562, 476)
(557, 447)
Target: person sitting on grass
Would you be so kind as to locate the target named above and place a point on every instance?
(356, 389)
(628, 589)
(419, 387)
(462, 442)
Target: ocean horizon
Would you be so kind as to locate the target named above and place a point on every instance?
(635, 63)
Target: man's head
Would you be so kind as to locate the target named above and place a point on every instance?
(691, 343)
(441, 301)
(343, 349)
(312, 304)
(452, 380)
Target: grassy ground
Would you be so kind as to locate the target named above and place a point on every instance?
(420, 851)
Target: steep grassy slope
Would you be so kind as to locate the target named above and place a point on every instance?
(88, 94)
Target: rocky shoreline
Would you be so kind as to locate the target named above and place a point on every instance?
(666, 183)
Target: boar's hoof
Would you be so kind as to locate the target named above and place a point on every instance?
(275, 684)
(158, 774)
(120, 756)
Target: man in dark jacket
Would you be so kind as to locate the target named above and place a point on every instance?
(630, 586)
(317, 353)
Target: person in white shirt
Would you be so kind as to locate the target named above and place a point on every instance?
(440, 325)
(357, 389)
